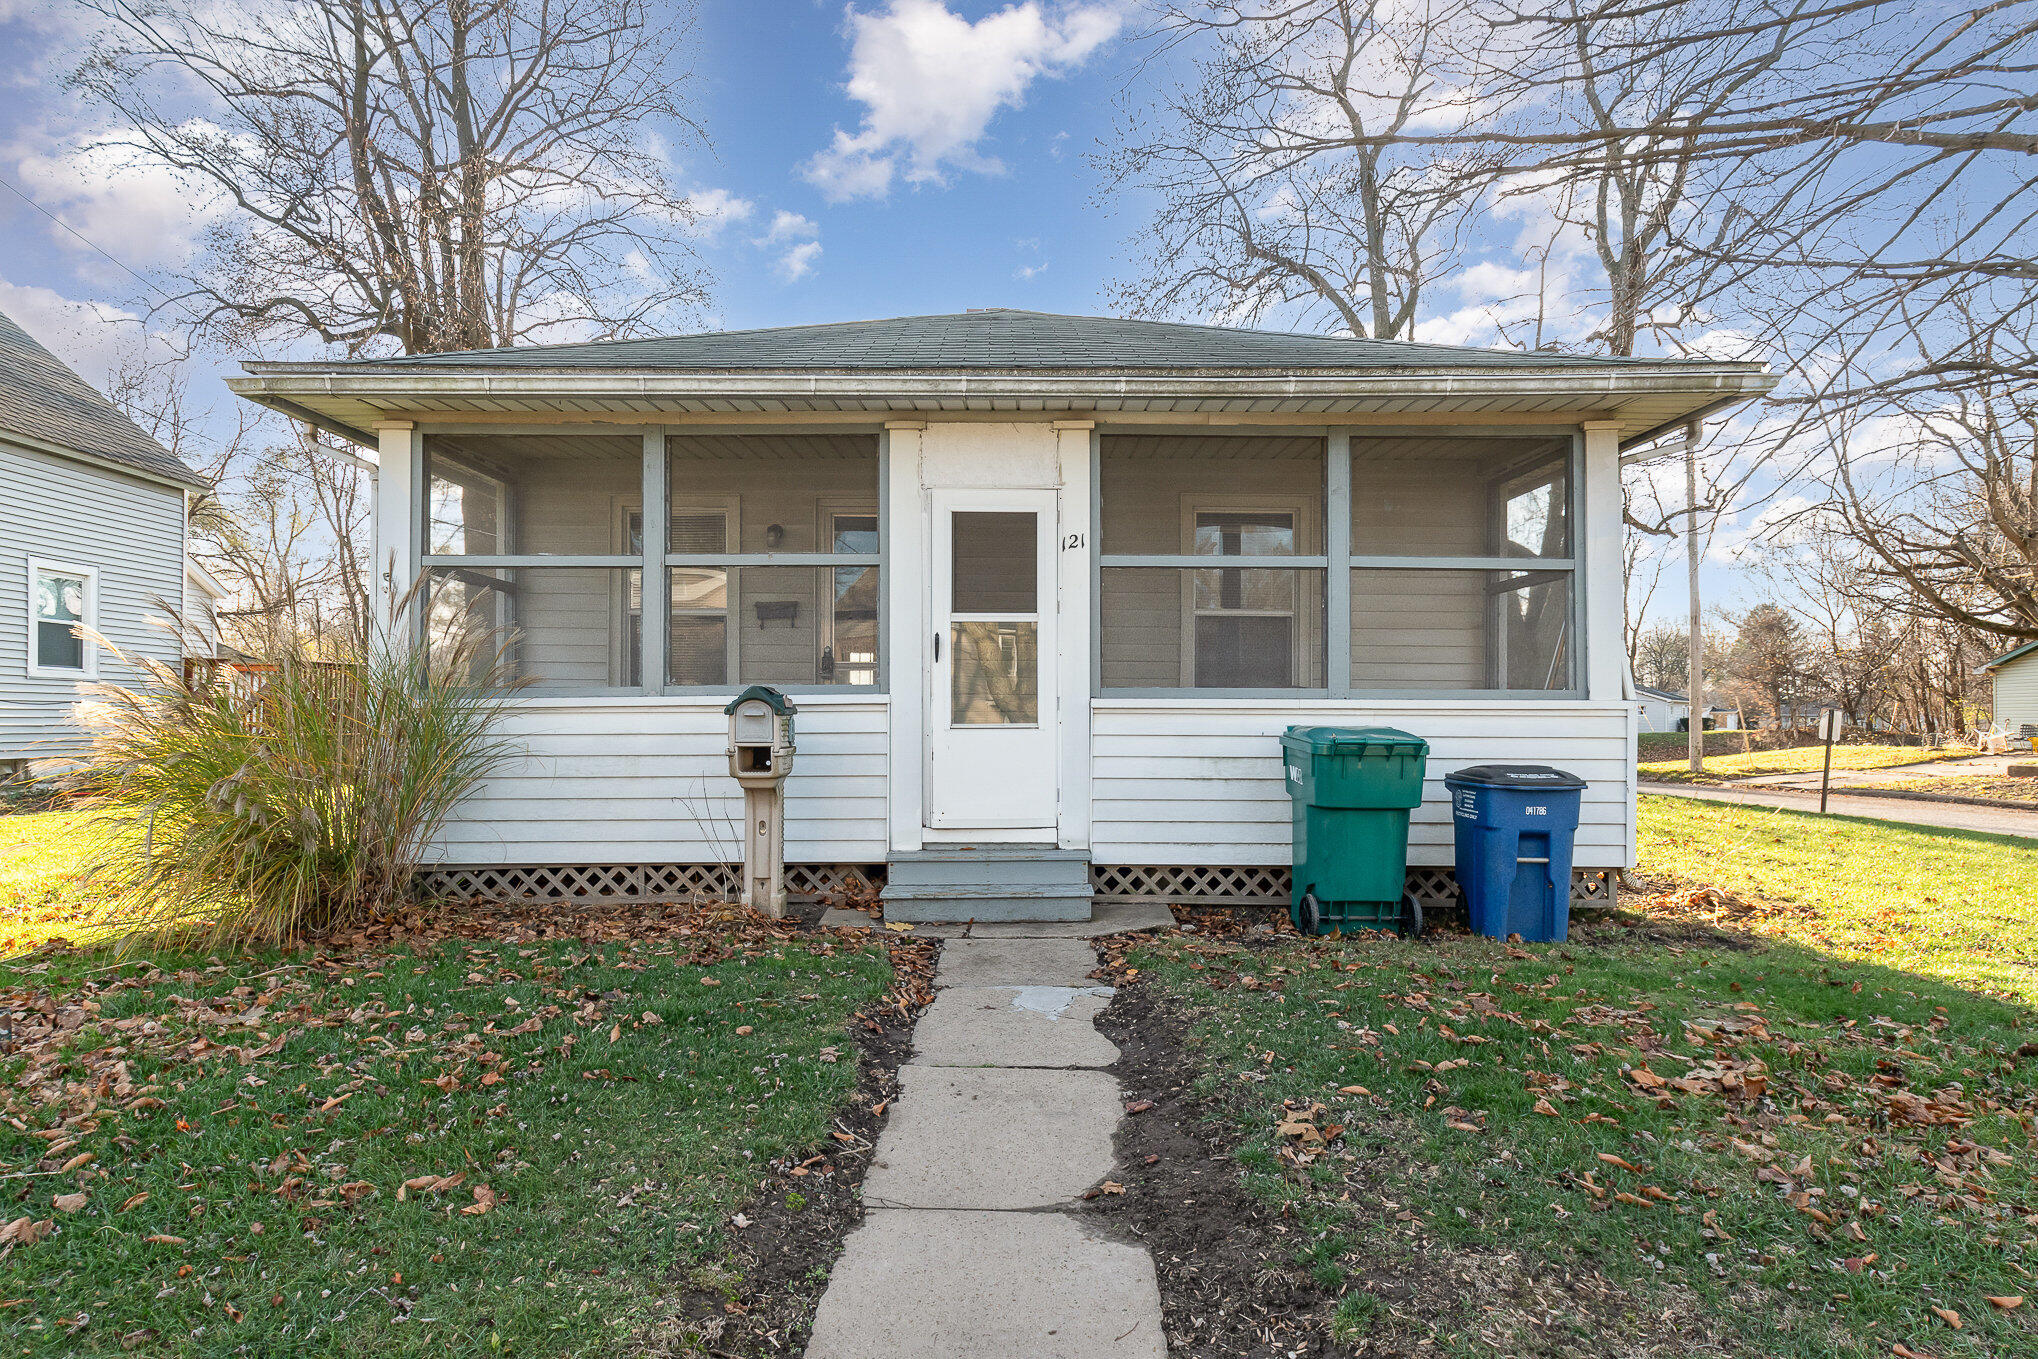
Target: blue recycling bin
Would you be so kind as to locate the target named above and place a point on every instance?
(1515, 824)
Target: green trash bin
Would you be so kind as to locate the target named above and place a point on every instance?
(1352, 789)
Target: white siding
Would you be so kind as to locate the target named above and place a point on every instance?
(2017, 692)
(1193, 782)
(646, 781)
(131, 531)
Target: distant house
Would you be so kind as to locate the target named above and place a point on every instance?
(92, 536)
(2015, 674)
(1663, 710)
(1053, 585)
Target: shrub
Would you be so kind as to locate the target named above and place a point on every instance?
(289, 802)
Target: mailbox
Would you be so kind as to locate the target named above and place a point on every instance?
(760, 736)
(760, 758)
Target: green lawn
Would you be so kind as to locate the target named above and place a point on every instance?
(41, 897)
(512, 1145)
(1801, 1144)
(1800, 760)
(1956, 906)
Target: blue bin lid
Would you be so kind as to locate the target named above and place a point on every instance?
(1353, 740)
(1523, 776)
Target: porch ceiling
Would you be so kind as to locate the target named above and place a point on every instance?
(1644, 398)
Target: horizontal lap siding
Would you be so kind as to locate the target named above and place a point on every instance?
(131, 532)
(643, 783)
(1204, 785)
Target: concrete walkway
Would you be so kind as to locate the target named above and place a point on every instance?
(1004, 1118)
(1909, 811)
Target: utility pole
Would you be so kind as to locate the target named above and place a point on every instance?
(1694, 681)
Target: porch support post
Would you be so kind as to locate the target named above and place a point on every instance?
(1601, 571)
(1074, 442)
(906, 576)
(399, 523)
(1337, 546)
(653, 594)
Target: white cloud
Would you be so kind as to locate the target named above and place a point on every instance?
(94, 338)
(798, 262)
(1029, 271)
(138, 211)
(716, 209)
(931, 82)
(788, 226)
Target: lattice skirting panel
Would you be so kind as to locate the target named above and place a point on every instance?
(1230, 885)
(602, 884)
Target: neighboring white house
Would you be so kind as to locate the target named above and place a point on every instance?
(203, 593)
(92, 534)
(1050, 583)
(2015, 674)
(1663, 710)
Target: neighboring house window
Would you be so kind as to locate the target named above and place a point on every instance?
(61, 600)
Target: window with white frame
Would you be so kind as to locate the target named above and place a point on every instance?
(63, 600)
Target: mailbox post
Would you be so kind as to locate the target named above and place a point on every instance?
(760, 757)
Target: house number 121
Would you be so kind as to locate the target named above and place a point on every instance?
(1072, 542)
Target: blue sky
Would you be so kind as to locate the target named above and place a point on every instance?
(989, 199)
(900, 157)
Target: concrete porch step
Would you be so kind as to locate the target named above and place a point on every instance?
(992, 883)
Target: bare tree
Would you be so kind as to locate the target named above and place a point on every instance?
(281, 527)
(1279, 180)
(1943, 495)
(436, 174)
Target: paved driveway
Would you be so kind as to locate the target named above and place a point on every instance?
(1913, 811)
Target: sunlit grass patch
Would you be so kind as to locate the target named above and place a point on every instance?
(43, 895)
(1800, 760)
(1957, 906)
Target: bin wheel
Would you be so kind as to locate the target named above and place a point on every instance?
(1411, 916)
(1309, 914)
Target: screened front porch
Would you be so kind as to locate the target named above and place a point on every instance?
(765, 557)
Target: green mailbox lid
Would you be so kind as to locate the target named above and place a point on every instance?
(780, 704)
(1353, 741)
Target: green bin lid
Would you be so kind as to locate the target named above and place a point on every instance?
(1353, 741)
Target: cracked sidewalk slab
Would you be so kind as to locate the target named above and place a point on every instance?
(1015, 962)
(1014, 1026)
(994, 1137)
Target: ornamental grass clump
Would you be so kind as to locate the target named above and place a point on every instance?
(287, 801)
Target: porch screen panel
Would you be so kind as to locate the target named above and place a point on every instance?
(774, 560)
(1172, 508)
(1443, 631)
(1462, 549)
(1460, 496)
(531, 495)
(554, 628)
(536, 540)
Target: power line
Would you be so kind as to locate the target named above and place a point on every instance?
(89, 244)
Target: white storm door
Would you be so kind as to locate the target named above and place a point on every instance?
(991, 703)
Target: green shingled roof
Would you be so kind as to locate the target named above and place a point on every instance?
(993, 340)
(43, 400)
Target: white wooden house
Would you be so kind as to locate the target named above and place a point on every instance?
(1051, 585)
(93, 529)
